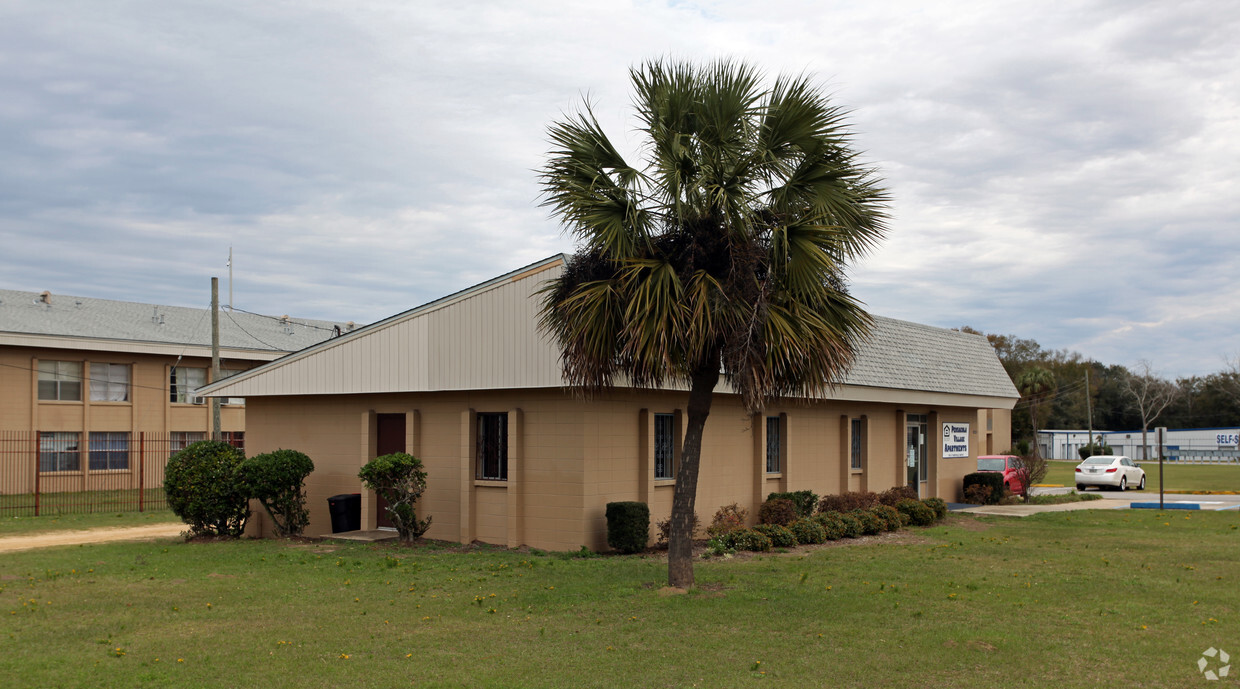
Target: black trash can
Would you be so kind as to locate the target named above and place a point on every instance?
(346, 512)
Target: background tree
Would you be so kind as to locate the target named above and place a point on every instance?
(1150, 395)
(1036, 386)
(724, 255)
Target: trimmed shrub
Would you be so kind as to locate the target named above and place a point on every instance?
(748, 539)
(870, 523)
(201, 486)
(277, 480)
(847, 502)
(889, 515)
(400, 480)
(977, 494)
(832, 525)
(781, 536)
(993, 479)
(628, 526)
(852, 526)
(1098, 447)
(939, 505)
(779, 511)
(918, 512)
(808, 531)
(664, 527)
(892, 496)
(729, 518)
(805, 501)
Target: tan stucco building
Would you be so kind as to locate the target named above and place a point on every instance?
(469, 385)
(89, 387)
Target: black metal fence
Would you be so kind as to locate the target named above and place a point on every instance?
(60, 472)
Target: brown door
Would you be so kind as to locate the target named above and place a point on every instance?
(391, 432)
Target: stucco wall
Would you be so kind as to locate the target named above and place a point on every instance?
(569, 458)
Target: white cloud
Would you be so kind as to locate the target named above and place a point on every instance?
(1064, 172)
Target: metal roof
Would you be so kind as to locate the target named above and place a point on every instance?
(84, 318)
(486, 337)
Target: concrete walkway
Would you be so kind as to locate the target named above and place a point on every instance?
(1026, 510)
(85, 536)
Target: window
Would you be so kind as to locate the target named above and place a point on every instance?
(60, 380)
(855, 444)
(772, 445)
(179, 440)
(234, 438)
(109, 382)
(226, 373)
(183, 382)
(59, 451)
(109, 451)
(493, 446)
(664, 446)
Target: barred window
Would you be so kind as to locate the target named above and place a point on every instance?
(772, 445)
(493, 446)
(664, 445)
(855, 442)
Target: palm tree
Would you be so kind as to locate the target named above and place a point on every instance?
(723, 256)
(1036, 386)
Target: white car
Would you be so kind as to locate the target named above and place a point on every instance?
(1110, 471)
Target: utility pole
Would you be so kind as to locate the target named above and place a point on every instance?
(230, 301)
(1161, 491)
(216, 434)
(1089, 411)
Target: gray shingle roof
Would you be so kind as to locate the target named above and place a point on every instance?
(84, 317)
(912, 356)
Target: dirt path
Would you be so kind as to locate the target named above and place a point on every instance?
(79, 537)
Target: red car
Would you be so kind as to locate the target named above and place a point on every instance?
(1008, 464)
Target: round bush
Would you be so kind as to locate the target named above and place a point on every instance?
(870, 523)
(917, 512)
(852, 527)
(831, 524)
(277, 481)
(781, 511)
(202, 488)
(938, 505)
(747, 539)
(889, 515)
(808, 531)
(781, 536)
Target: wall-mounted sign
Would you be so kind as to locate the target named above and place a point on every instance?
(1228, 438)
(955, 440)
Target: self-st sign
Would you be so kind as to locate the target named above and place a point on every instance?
(955, 440)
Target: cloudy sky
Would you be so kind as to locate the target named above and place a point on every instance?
(1067, 172)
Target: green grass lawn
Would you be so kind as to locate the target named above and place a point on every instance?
(79, 502)
(22, 526)
(1185, 477)
(1081, 599)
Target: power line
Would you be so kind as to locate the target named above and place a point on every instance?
(285, 321)
(247, 332)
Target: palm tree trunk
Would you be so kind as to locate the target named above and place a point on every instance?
(680, 540)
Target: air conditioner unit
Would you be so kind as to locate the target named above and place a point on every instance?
(197, 400)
